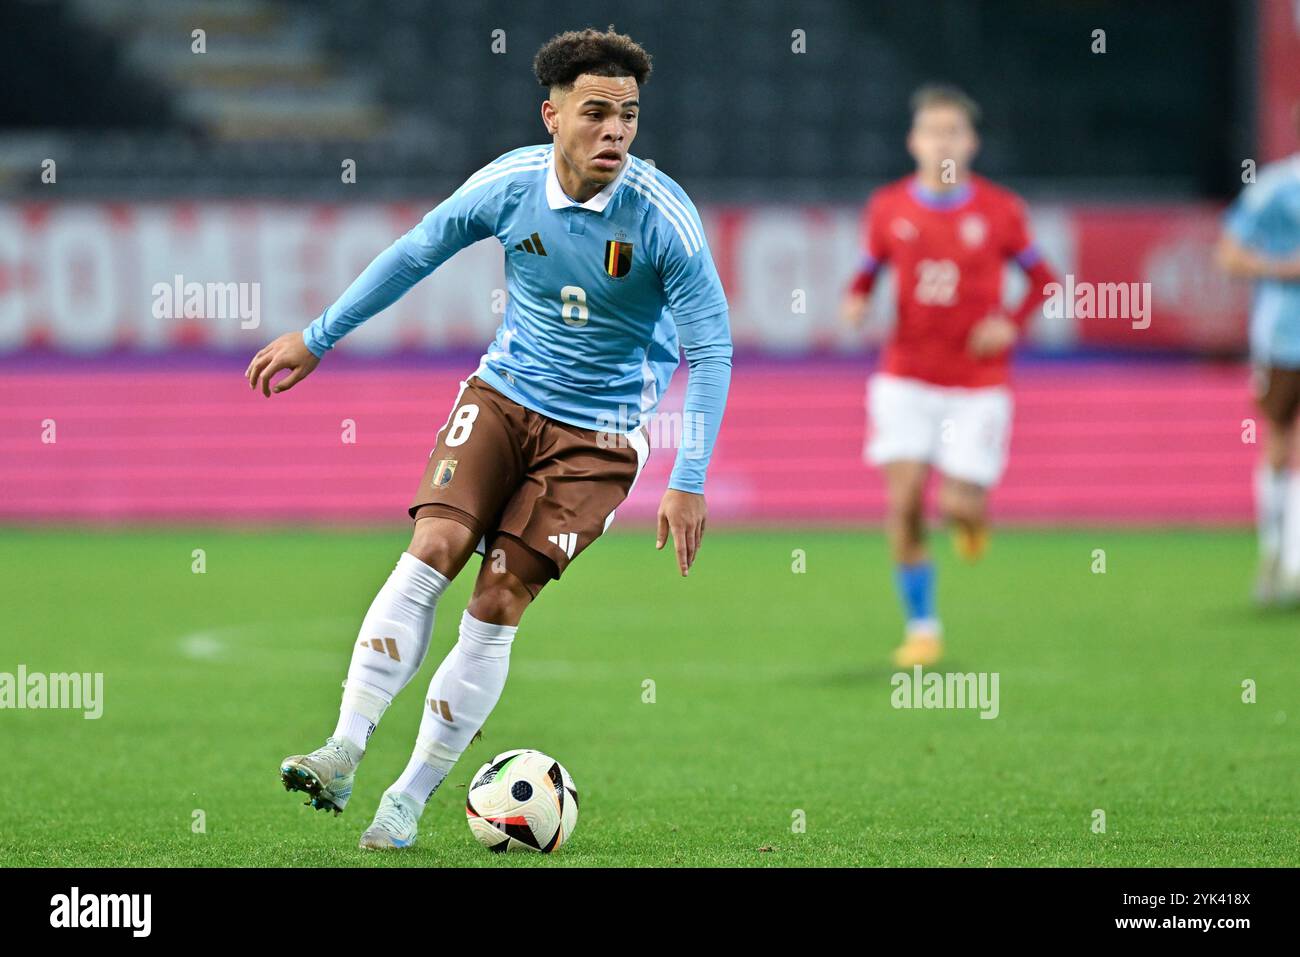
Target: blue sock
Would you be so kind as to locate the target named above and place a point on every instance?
(916, 590)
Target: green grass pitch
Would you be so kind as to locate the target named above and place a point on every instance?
(1119, 691)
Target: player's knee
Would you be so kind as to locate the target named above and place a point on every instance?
(431, 544)
(906, 510)
(500, 600)
(961, 506)
(1277, 449)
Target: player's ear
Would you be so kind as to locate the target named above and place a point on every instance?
(551, 117)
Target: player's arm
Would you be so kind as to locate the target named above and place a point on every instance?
(706, 340)
(1237, 259)
(1250, 219)
(699, 308)
(462, 219)
(853, 307)
(999, 332)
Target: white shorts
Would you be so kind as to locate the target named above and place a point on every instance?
(964, 433)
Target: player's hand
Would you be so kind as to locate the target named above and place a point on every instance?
(992, 335)
(853, 309)
(287, 352)
(682, 513)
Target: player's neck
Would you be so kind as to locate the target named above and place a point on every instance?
(938, 184)
(576, 188)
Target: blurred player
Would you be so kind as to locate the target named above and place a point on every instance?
(608, 272)
(1261, 242)
(940, 398)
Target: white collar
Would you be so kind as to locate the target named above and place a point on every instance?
(556, 197)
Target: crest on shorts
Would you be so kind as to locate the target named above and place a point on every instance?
(618, 258)
(442, 474)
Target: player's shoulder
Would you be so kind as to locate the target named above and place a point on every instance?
(1276, 179)
(995, 194)
(886, 196)
(526, 164)
(660, 197)
(1285, 171)
(648, 180)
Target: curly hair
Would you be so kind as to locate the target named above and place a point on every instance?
(566, 56)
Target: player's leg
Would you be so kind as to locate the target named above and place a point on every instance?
(914, 575)
(394, 635)
(462, 693)
(905, 510)
(904, 418)
(390, 648)
(1277, 488)
(972, 456)
(564, 503)
(964, 505)
(1272, 491)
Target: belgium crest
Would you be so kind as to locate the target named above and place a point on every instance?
(618, 256)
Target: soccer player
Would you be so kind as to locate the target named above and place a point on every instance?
(940, 398)
(608, 274)
(1261, 242)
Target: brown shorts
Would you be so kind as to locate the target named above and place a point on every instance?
(1277, 390)
(535, 491)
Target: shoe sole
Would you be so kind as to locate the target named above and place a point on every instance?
(392, 845)
(925, 661)
(298, 778)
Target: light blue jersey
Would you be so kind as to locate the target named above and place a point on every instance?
(601, 296)
(1266, 218)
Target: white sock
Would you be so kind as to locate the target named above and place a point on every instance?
(1270, 509)
(462, 694)
(390, 647)
(927, 627)
(420, 780)
(1289, 549)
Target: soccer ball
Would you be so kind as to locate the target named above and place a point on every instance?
(522, 801)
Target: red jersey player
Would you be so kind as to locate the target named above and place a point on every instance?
(940, 398)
